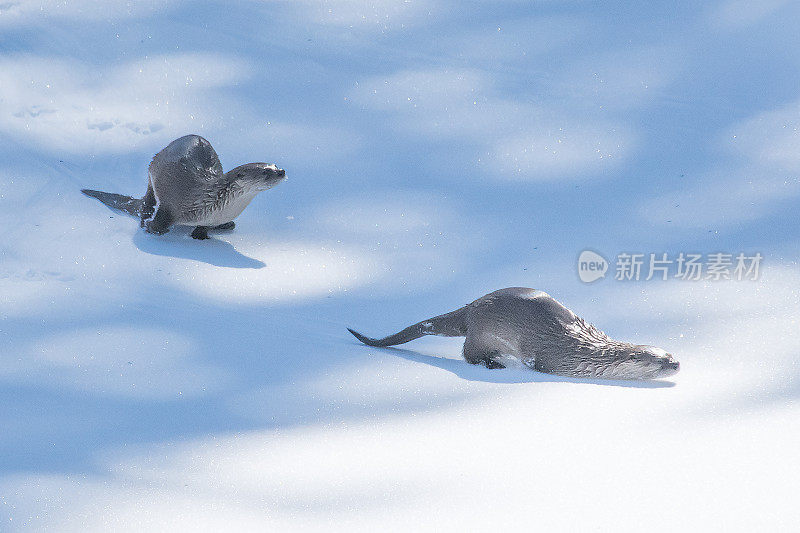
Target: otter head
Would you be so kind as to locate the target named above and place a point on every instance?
(258, 176)
(647, 362)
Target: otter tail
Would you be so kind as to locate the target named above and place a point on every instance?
(119, 202)
(451, 324)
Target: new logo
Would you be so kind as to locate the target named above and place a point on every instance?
(591, 266)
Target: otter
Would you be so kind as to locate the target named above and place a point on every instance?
(543, 334)
(186, 186)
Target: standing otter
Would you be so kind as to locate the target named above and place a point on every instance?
(546, 336)
(186, 186)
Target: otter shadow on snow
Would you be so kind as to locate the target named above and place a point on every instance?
(470, 372)
(177, 243)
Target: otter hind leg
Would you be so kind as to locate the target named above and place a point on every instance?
(148, 205)
(479, 353)
(225, 227)
(200, 232)
(160, 222)
(492, 364)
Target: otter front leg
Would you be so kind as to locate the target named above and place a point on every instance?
(479, 353)
(225, 227)
(200, 232)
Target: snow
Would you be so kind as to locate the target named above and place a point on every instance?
(435, 151)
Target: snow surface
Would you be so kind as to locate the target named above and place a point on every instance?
(435, 151)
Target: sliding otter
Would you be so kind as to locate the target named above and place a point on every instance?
(186, 186)
(546, 336)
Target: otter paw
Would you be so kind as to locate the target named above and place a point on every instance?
(159, 224)
(155, 228)
(200, 232)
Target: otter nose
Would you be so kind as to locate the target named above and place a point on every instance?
(281, 172)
